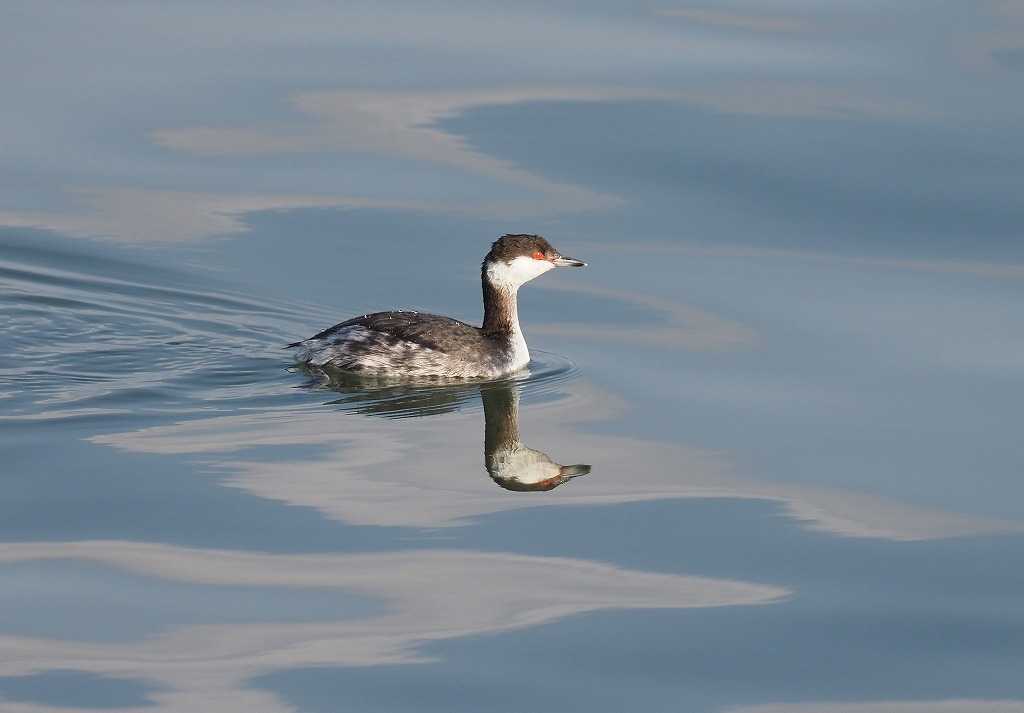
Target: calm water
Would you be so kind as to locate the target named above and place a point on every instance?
(794, 366)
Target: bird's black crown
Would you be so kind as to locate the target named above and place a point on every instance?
(508, 247)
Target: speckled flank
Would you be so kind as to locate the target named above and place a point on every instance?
(377, 344)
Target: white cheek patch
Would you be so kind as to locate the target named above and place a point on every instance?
(521, 269)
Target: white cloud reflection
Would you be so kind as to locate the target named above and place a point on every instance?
(144, 215)
(405, 125)
(367, 471)
(787, 60)
(402, 124)
(430, 596)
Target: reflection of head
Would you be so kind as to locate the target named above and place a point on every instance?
(510, 464)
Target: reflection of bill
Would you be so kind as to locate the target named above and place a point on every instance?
(510, 464)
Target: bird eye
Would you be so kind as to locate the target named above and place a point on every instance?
(539, 256)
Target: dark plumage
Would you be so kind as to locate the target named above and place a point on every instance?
(509, 247)
(432, 331)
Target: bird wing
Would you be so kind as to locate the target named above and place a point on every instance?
(430, 331)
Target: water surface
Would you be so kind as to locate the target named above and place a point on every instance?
(787, 386)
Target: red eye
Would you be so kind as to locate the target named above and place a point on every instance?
(539, 256)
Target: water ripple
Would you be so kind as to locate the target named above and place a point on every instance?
(86, 344)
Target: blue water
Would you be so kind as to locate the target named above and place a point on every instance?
(793, 365)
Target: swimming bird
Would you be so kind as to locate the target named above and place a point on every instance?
(404, 343)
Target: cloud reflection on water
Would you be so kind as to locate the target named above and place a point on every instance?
(412, 474)
(430, 595)
(139, 215)
(404, 125)
(853, 126)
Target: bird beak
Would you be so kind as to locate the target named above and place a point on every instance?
(561, 261)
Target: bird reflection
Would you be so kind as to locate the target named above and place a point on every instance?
(510, 464)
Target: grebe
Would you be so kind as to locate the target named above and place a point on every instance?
(416, 344)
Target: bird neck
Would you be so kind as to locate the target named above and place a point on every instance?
(501, 423)
(501, 313)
